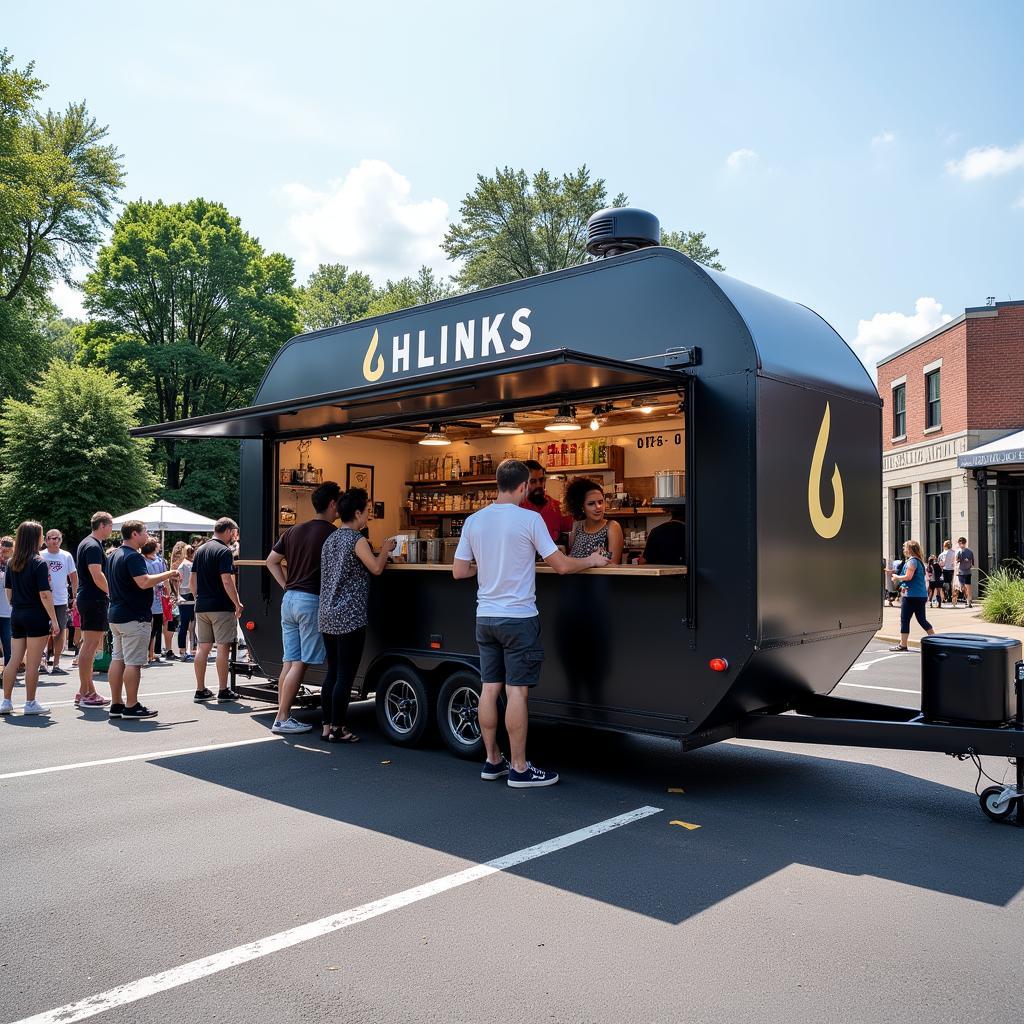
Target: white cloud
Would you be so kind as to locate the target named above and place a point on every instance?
(883, 139)
(987, 162)
(740, 158)
(68, 300)
(886, 332)
(369, 221)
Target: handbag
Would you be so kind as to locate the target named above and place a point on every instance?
(168, 610)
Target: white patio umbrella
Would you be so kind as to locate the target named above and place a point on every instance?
(165, 515)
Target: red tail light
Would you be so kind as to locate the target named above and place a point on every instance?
(718, 665)
(250, 625)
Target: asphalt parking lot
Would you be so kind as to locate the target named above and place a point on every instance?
(196, 867)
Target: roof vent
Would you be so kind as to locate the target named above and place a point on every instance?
(619, 230)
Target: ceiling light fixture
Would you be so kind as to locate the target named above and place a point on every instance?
(644, 405)
(506, 425)
(435, 436)
(565, 420)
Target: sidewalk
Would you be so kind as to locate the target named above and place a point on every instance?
(944, 620)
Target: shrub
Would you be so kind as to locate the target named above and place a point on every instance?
(1004, 595)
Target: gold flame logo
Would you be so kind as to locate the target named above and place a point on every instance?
(373, 370)
(824, 526)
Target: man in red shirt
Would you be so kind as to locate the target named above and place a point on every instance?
(537, 501)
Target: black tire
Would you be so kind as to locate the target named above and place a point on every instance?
(987, 799)
(403, 705)
(457, 704)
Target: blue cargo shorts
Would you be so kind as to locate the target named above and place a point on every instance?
(510, 650)
(300, 628)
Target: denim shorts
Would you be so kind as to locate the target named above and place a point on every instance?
(300, 628)
(510, 650)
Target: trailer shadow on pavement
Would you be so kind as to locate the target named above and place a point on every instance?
(759, 809)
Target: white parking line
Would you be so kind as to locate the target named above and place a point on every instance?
(891, 689)
(182, 975)
(865, 665)
(153, 755)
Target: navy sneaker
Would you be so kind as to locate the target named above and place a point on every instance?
(226, 695)
(138, 711)
(491, 771)
(115, 710)
(531, 777)
(203, 695)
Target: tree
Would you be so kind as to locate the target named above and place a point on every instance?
(77, 418)
(513, 226)
(190, 309)
(334, 295)
(693, 244)
(58, 187)
(25, 347)
(410, 291)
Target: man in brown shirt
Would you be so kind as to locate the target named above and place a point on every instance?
(298, 552)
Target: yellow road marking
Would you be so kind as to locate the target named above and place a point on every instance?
(685, 824)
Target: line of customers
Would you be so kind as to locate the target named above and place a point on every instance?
(118, 592)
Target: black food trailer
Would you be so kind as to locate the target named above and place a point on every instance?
(773, 424)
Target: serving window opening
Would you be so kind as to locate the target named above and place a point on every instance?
(425, 478)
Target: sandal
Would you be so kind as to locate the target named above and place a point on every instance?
(341, 735)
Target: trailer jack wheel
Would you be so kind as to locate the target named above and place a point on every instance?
(999, 802)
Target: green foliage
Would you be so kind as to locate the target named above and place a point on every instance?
(210, 486)
(694, 245)
(513, 226)
(67, 452)
(410, 291)
(190, 309)
(25, 346)
(58, 185)
(1004, 595)
(334, 295)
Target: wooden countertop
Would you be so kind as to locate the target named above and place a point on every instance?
(610, 570)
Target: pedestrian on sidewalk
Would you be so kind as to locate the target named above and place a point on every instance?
(964, 566)
(131, 619)
(346, 564)
(33, 616)
(504, 541)
(93, 604)
(300, 548)
(218, 608)
(6, 550)
(182, 561)
(934, 582)
(61, 567)
(915, 596)
(948, 567)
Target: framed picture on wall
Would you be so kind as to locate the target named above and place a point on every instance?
(359, 476)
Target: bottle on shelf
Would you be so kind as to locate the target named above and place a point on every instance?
(573, 454)
(457, 471)
(551, 461)
(563, 454)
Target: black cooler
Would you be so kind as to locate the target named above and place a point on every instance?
(968, 679)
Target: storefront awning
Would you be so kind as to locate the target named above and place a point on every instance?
(545, 379)
(1007, 451)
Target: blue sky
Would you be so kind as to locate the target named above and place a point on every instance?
(866, 160)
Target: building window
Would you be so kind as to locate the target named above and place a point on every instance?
(901, 508)
(936, 509)
(932, 403)
(899, 411)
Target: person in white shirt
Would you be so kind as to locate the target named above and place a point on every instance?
(504, 541)
(62, 569)
(948, 557)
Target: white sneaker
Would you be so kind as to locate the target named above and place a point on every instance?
(6, 707)
(33, 707)
(290, 726)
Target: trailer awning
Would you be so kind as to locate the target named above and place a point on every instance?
(1005, 451)
(505, 385)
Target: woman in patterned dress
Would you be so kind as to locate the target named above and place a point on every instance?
(592, 530)
(346, 564)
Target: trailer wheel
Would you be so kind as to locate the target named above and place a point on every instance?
(997, 812)
(403, 705)
(457, 705)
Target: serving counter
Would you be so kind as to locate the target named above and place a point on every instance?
(608, 570)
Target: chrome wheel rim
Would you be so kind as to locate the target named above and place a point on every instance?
(401, 706)
(463, 716)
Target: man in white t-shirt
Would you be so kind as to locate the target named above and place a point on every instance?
(948, 565)
(62, 570)
(504, 541)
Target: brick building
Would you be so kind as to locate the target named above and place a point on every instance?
(952, 463)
